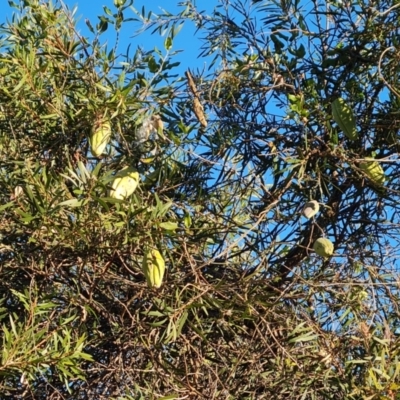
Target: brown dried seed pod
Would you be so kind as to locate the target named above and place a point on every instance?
(191, 84)
(198, 110)
(157, 123)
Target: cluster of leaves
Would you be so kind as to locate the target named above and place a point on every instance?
(247, 310)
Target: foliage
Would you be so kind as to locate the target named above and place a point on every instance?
(247, 309)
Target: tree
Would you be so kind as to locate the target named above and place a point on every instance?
(299, 104)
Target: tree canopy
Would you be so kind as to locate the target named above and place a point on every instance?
(220, 233)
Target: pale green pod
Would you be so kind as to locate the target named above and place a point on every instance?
(323, 247)
(310, 208)
(344, 117)
(373, 170)
(153, 268)
(125, 183)
(99, 138)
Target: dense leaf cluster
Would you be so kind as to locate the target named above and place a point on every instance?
(247, 309)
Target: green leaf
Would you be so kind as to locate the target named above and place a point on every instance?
(168, 43)
(7, 205)
(169, 226)
(102, 26)
(301, 51)
(187, 220)
(72, 203)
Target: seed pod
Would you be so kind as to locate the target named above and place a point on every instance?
(373, 170)
(143, 133)
(157, 122)
(150, 125)
(344, 117)
(99, 138)
(125, 183)
(323, 247)
(18, 191)
(310, 208)
(153, 268)
(199, 112)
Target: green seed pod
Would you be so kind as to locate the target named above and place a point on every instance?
(153, 268)
(310, 208)
(373, 170)
(323, 247)
(125, 183)
(344, 117)
(99, 138)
